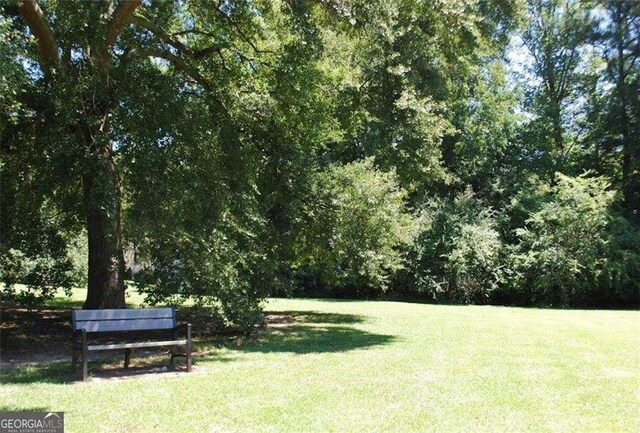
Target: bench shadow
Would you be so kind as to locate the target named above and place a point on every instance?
(107, 368)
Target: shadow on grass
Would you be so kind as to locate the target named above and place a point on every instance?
(315, 339)
(102, 369)
(65, 302)
(55, 372)
(304, 332)
(300, 332)
(275, 318)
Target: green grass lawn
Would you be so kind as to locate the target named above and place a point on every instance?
(356, 366)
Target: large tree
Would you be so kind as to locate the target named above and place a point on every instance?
(77, 58)
(113, 83)
(618, 39)
(555, 33)
(416, 67)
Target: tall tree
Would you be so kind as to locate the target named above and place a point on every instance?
(90, 125)
(414, 66)
(621, 37)
(101, 64)
(555, 32)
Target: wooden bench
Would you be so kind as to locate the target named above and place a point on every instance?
(127, 324)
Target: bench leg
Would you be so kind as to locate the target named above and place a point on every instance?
(85, 356)
(127, 357)
(189, 347)
(85, 369)
(74, 359)
(189, 357)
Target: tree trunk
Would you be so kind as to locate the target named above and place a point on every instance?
(620, 21)
(106, 258)
(100, 182)
(558, 130)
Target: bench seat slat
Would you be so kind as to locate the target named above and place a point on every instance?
(123, 314)
(136, 345)
(125, 325)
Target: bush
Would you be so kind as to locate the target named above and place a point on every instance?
(33, 275)
(572, 250)
(215, 269)
(456, 256)
(32, 272)
(39, 275)
(620, 282)
(78, 253)
(355, 225)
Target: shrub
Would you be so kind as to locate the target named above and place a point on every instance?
(620, 281)
(572, 250)
(77, 253)
(355, 225)
(40, 276)
(456, 256)
(32, 272)
(219, 268)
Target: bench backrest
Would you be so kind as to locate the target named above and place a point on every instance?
(117, 320)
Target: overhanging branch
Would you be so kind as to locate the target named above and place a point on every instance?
(145, 23)
(119, 19)
(192, 73)
(35, 19)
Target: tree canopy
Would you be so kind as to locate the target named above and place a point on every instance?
(459, 150)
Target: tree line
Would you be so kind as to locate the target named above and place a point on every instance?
(476, 151)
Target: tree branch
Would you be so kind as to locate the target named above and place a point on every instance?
(145, 23)
(119, 19)
(240, 32)
(35, 19)
(191, 72)
(174, 42)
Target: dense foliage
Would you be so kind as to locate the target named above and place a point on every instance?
(354, 227)
(459, 150)
(569, 250)
(457, 256)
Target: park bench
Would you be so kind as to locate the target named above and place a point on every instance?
(134, 326)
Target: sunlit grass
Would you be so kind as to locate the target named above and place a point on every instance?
(78, 295)
(356, 366)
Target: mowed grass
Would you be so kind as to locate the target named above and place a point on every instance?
(357, 366)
